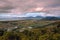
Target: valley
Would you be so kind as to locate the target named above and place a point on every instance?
(30, 30)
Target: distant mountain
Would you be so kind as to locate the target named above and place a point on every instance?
(51, 18)
(28, 16)
(44, 18)
(34, 18)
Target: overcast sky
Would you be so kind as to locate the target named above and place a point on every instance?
(51, 7)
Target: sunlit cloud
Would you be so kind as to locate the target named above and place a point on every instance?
(39, 9)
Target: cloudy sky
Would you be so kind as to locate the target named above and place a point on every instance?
(49, 7)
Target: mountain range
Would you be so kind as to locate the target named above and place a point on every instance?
(29, 18)
(17, 17)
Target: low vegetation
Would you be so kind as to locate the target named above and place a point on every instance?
(30, 30)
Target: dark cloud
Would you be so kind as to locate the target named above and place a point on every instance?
(55, 3)
(5, 11)
(5, 6)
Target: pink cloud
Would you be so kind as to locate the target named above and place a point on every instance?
(24, 6)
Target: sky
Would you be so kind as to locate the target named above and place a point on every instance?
(22, 7)
(21, 15)
(33, 14)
